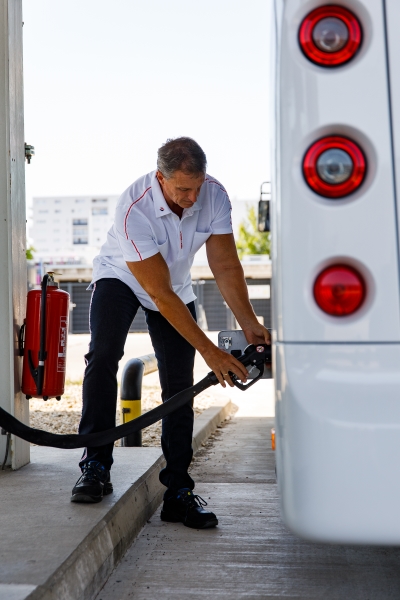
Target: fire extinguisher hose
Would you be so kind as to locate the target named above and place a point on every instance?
(253, 356)
(42, 349)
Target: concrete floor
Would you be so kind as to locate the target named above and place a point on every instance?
(40, 527)
(250, 554)
(53, 549)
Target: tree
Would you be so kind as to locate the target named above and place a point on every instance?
(250, 240)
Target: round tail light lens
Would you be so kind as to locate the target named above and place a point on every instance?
(330, 36)
(334, 166)
(339, 290)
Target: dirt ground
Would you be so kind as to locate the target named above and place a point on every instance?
(63, 416)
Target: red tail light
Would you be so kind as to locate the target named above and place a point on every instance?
(334, 166)
(330, 36)
(339, 290)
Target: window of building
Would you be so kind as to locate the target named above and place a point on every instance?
(99, 210)
(43, 211)
(80, 231)
(100, 200)
(57, 201)
(80, 200)
(57, 210)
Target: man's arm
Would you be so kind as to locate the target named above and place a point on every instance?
(228, 272)
(154, 277)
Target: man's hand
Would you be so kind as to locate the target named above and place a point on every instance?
(257, 334)
(221, 363)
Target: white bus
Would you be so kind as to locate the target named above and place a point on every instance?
(336, 293)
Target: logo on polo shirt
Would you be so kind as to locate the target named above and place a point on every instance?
(161, 208)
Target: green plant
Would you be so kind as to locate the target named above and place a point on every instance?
(250, 240)
(29, 253)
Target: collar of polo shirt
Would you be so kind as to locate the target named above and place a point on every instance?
(161, 207)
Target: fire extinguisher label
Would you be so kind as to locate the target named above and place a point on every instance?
(62, 345)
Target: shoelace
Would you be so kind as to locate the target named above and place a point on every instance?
(91, 473)
(193, 499)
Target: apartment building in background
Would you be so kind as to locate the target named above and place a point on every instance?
(70, 230)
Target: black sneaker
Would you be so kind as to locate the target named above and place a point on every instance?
(93, 484)
(187, 508)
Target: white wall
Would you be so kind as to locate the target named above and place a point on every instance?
(12, 223)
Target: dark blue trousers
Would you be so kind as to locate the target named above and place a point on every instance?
(112, 310)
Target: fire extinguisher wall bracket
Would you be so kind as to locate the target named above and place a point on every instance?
(21, 339)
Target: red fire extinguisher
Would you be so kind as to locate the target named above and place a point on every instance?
(45, 345)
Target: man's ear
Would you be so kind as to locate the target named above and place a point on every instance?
(160, 177)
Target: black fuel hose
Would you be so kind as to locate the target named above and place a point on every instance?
(69, 441)
(255, 356)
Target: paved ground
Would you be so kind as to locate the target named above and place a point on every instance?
(40, 527)
(53, 549)
(250, 555)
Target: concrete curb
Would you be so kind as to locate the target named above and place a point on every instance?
(82, 575)
(206, 423)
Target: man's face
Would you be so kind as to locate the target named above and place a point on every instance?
(181, 189)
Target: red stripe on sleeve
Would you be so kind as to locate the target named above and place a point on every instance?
(129, 210)
(134, 245)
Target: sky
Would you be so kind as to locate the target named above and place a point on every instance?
(107, 82)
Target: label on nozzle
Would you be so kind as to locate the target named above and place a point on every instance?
(62, 345)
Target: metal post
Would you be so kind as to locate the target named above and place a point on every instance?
(13, 266)
(131, 393)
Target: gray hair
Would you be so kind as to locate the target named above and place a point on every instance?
(181, 154)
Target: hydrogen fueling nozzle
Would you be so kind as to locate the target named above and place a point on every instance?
(253, 357)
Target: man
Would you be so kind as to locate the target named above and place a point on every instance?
(161, 221)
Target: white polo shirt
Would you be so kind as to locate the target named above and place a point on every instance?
(144, 225)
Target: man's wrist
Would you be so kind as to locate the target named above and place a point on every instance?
(249, 324)
(205, 346)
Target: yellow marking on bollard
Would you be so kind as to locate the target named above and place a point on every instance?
(273, 439)
(130, 409)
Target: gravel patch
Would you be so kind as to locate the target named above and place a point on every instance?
(63, 416)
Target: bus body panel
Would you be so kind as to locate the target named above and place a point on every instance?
(337, 379)
(312, 231)
(338, 441)
(393, 46)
